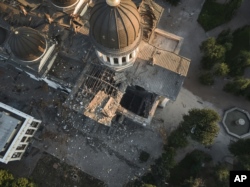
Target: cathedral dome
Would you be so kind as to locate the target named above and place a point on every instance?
(64, 3)
(115, 24)
(27, 44)
(3, 35)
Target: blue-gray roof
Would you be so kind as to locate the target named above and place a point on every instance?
(7, 126)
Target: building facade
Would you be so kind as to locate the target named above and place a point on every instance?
(16, 132)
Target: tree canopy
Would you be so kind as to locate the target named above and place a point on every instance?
(240, 149)
(8, 180)
(222, 175)
(212, 50)
(221, 69)
(178, 139)
(201, 125)
(193, 182)
(239, 86)
(189, 169)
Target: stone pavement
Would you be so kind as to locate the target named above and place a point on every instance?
(172, 116)
(182, 21)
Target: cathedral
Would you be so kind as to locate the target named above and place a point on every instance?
(110, 57)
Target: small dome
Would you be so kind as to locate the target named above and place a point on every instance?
(3, 35)
(63, 3)
(115, 25)
(27, 44)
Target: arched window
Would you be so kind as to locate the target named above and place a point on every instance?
(130, 55)
(123, 59)
(115, 60)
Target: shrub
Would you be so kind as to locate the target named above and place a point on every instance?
(224, 37)
(212, 53)
(221, 175)
(239, 86)
(212, 50)
(177, 139)
(221, 69)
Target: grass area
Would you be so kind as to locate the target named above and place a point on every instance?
(50, 171)
(214, 14)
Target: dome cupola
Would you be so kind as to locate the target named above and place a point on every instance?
(116, 26)
(27, 44)
(115, 29)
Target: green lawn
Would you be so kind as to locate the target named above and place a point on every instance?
(214, 14)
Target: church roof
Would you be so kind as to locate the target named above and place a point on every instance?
(27, 44)
(166, 74)
(115, 27)
(7, 126)
(63, 3)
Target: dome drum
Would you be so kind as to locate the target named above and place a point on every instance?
(118, 62)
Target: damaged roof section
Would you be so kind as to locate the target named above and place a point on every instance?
(150, 13)
(66, 70)
(102, 108)
(164, 59)
(158, 71)
(98, 95)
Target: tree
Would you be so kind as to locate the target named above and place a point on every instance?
(222, 175)
(168, 157)
(239, 86)
(161, 168)
(213, 52)
(148, 185)
(5, 178)
(22, 182)
(190, 166)
(193, 182)
(239, 63)
(178, 139)
(201, 125)
(240, 147)
(221, 69)
(225, 38)
(244, 162)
